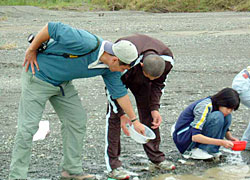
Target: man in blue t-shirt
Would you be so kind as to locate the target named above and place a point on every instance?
(70, 54)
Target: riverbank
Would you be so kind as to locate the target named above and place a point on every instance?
(209, 49)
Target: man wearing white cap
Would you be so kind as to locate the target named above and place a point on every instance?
(70, 54)
(241, 83)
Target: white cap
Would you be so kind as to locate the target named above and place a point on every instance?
(124, 50)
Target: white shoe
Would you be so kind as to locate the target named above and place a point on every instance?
(217, 155)
(164, 165)
(197, 153)
(66, 176)
(119, 173)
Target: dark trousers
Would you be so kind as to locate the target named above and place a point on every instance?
(113, 149)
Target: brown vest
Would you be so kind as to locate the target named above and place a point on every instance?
(147, 45)
(149, 92)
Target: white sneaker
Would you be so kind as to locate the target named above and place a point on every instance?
(66, 176)
(119, 173)
(197, 153)
(217, 155)
(164, 165)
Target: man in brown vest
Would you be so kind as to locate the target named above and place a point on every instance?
(146, 81)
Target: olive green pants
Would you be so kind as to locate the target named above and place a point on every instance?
(35, 94)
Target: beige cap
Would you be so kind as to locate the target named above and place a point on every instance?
(124, 50)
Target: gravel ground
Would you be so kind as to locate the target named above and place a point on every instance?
(209, 48)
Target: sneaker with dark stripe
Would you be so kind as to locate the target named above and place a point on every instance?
(164, 165)
(119, 173)
(197, 153)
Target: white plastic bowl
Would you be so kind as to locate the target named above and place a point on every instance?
(149, 134)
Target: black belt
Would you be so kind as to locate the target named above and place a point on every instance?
(61, 89)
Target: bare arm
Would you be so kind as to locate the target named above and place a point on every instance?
(126, 105)
(31, 52)
(207, 140)
(230, 137)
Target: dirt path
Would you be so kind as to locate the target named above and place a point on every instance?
(209, 48)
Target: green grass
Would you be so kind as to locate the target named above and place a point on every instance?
(141, 5)
(175, 5)
(50, 4)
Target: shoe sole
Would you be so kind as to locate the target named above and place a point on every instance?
(126, 178)
(171, 168)
(198, 158)
(72, 178)
(87, 177)
(186, 156)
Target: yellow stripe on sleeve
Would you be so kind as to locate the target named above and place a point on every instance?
(203, 116)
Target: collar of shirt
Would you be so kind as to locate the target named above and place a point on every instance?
(98, 63)
(168, 58)
(138, 60)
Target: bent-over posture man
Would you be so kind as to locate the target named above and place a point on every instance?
(71, 53)
(146, 81)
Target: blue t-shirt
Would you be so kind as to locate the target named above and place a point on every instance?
(56, 69)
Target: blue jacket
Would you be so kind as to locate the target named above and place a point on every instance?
(191, 122)
(56, 69)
